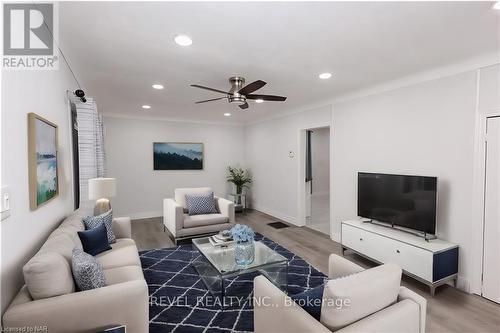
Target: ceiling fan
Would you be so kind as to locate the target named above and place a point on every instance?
(239, 93)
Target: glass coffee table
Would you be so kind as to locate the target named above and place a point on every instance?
(217, 267)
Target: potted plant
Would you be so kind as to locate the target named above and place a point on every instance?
(240, 178)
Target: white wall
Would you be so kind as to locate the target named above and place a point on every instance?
(276, 185)
(488, 105)
(129, 150)
(320, 148)
(423, 129)
(42, 92)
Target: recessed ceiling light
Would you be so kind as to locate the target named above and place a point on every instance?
(146, 106)
(496, 5)
(183, 40)
(325, 76)
(157, 86)
(227, 114)
(260, 100)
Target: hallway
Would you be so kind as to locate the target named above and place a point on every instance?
(320, 213)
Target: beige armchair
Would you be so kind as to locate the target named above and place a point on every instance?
(181, 225)
(273, 313)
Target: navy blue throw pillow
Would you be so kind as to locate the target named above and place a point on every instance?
(107, 219)
(95, 241)
(311, 300)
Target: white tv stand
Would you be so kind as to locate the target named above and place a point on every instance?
(433, 262)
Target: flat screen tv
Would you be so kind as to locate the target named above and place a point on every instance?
(405, 201)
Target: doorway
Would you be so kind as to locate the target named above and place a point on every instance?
(318, 179)
(491, 224)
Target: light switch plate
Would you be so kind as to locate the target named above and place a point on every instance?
(5, 202)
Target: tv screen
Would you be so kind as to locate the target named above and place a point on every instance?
(406, 201)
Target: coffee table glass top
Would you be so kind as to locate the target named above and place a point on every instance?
(222, 258)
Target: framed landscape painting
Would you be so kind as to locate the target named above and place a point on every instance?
(177, 156)
(42, 159)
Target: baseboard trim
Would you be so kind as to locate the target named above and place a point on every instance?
(463, 284)
(335, 236)
(277, 214)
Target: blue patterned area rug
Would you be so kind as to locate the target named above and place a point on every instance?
(180, 301)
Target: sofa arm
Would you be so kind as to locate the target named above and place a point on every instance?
(405, 293)
(86, 311)
(173, 216)
(339, 267)
(226, 208)
(122, 227)
(401, 317)
(275, 312)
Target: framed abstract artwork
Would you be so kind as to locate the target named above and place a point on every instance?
(177, 156)
(42, 159)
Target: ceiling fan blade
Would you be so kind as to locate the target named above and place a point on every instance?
(211, 89)
(243, 106)
(210, 100)
(267, 97)
(251, 87)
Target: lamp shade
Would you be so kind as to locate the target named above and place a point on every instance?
(100, 188)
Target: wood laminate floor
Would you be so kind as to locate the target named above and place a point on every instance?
(450, 310)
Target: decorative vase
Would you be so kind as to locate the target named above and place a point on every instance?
(239, 190)
(244, 252)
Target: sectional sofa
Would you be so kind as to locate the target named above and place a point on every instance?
(49, 297)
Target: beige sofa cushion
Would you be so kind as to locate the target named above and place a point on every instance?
(122, 253)
(74, 221)
(71, 232)
(180, 194)
(193, 221)
(367, 292)
(48, 274)
(61, 243)
(123, 274)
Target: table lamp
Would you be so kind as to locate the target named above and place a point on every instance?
(100, 189)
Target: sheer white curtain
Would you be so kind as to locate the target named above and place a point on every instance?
(91, 154)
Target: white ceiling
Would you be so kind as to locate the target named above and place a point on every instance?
(119, 49)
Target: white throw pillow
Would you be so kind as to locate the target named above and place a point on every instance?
(48, 274)
(351, 298)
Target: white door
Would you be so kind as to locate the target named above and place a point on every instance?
(491, 249)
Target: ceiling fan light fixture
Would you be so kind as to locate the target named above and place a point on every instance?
(325, 76)
(157, 86)
(183, 40)
(227, 114)
(238, 99)
(146, 107)
(239, 94)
